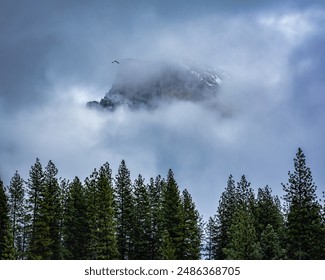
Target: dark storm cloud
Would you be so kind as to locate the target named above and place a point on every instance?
(44, 43)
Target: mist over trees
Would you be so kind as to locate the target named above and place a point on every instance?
(107, 217)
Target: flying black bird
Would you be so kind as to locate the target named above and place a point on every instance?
(115, 61)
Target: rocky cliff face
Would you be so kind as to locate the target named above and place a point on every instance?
(146, 84)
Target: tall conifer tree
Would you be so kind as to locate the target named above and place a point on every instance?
(268, 211)
(6, 240)
(271, 245)
(75, 223)
(224, 217)
(172, 214)
(38, 232)
(143, 227)
(304, 228)
(192, 232)
(52, 210)
(210, 239)
(269, 224)
(155, 198)
(125, 212)
(243, 243)
(106, 224)
(17, 214)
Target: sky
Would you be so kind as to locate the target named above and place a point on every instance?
(56, 55)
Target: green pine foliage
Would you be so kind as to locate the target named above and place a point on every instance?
(191, 227)
(243, 243)
(125, 212)
(75, 222)
(155, 199)
(102, 218)
(99, 219)
(172, 211)
(268, 211)
(38, 231)
(210, 237)
(223, 220)
(106, 225)
(17, 214)
(270, 243)
(305, 238)
(167, 250)
(6, 239)
(143, 228)
(52, 210)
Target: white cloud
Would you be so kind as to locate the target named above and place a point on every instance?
(295, 26)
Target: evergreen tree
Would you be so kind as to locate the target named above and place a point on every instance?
(269, 224)
(6, 240)
(125, 212)
(271, 248)
(166, 249)
(106, 224)
(75, 224)
(210, 237)
(17, 214)
(155, 199)
(245, 194)
(172, 214)
(192, 234)
(304, 228)
(143, 229)
(92, 214)
(224, 217)
(38, 231)
(52, 210)
(44, 212)
(268, 212)
(243, 244)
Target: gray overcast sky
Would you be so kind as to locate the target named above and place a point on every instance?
(56, 55)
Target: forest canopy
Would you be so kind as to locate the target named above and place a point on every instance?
(111, 217)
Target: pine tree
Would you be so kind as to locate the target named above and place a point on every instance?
(143, 229)
(155, 198)
(243, 243)
(125, 212)
(91, 225)
(52, 210)
(44, 212)
(270, 243)
(75, 223)
(172, 214)
(224, 217)
(6, 240)
(106, 224)
(210, 237)
(191, 227)
(304, 228)
(64, 187)
(245, 194)
(167, 249)
(38, 231)
(17, 214)
(101, 225)
(268, 212)
(269, 224)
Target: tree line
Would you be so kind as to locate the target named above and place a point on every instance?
(106, 217)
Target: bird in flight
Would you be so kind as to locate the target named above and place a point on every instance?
(115, 61)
